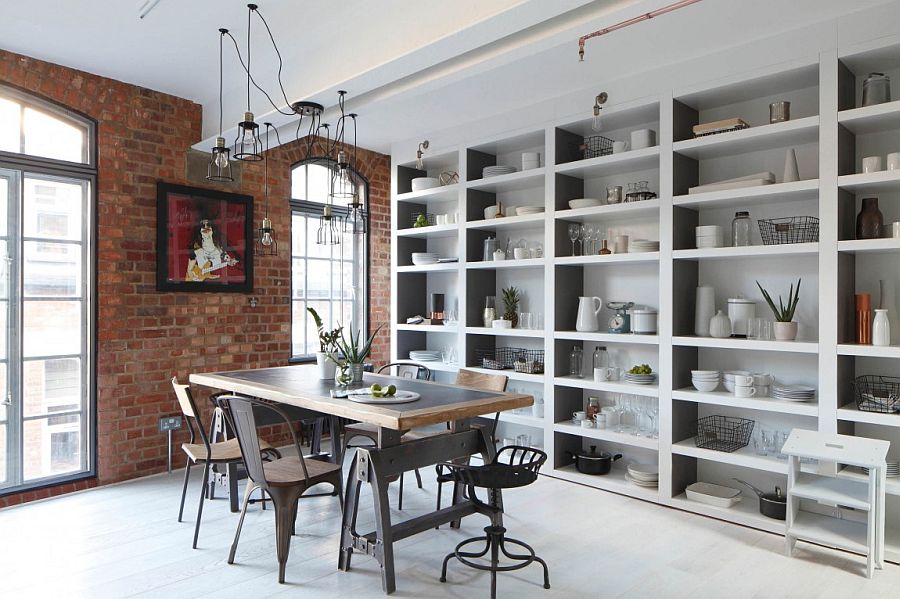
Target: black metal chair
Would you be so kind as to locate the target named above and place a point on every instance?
(285, 479)
(513, 466)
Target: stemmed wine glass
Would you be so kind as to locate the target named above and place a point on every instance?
(581, 237)
(574, 231)
(589, 237)
(654, 420)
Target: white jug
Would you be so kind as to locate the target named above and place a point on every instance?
(587, 314)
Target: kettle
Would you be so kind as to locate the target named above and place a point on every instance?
(586, 320)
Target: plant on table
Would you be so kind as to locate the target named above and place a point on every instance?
(785, 327)
(353, 354)
(511, 298)
(327, 339)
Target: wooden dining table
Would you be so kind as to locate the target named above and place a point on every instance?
(377, 465)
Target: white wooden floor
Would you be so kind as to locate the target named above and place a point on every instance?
(123, 541)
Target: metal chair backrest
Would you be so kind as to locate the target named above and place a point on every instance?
(407, 370)
(189, 409)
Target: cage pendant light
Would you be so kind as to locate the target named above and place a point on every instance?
(266, 244)
(247, 146)
(356, 222)
(219, 167)
(329, 232)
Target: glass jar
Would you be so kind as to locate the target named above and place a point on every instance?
(490, 312)
(601, 357)
(876, 89)
(740, 229)
(593, 408)
(576, 362)
(632, 194)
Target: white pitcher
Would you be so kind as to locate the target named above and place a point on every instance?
(587, 314)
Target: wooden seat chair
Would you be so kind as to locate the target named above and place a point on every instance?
(409, 370)
(208, 452)
(284, 479)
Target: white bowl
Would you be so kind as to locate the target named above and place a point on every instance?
(708, 230)
(420, 183)
(705, 386)
(714, 373)
(730, 374)
(729, 385)
(491, 212)
(584, 203)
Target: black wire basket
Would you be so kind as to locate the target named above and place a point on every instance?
(791, 229)
(596, 145)
(414, 218)
(876, 393)
(723, 433)
(528, 361)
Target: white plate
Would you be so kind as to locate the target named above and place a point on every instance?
(584, 203)
(420, 183)
(523, 210)
(398, 397)
(640, 483)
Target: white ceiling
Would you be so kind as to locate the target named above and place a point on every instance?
(409, 65)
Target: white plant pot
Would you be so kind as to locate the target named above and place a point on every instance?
(326, 366)
(785, 331)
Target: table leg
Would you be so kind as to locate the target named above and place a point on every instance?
(348, 520)
(384, 535)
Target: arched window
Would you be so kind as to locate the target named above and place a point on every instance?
(332, 279)
(47, 375)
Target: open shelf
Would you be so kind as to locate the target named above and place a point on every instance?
(752, 251)
(871, 182)
(432, 231)
(614, 481)
(603, 434)
(766, 404)
(744, 512)
(426, 328)
(870, 246)
(506, 264)
(511, 182)
(831, 532)
(630, 257)
(764, 137)
(871, 119)
(537, 333)
(442, 267)
(611, 386)
(778, 193)
(851, 413)
(868, 351)
(511, 374)
(442, 193)
(744, 457)
(521, 420)
(612, 164)
(802, 347)
(508, 222)
(607, 337)
(610, 211)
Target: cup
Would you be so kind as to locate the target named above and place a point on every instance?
(521, 253)
(523, 440)
(759, 328)
(525, 320)
(578, 416)
(743, 380)
(600, 420)
(744, 391)
(491, 212)
(871, 164)
(530, 160)
(892, 230)
(602, 375)
(620, 146)
(642, 138)
(440, 219)
(499, 255)
(893, 161)
(621, 244)
(614, 194)
(537, 408)
(587, 423)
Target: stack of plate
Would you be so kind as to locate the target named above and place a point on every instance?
(523, 210)
(643, 245)
(423, 258)
(793, 392)
(705, 380)
(579, 203)
(893, 469)
(643, 475)
(424, 355)
(709, 236)
(494, 171)
(640, 379)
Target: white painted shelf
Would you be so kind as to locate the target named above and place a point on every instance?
(764, 137)
(512, 182)
(802, 347)
(434, 365)
(603, 434)
(753, 251)
(744, 512)
(426, 328)
(870, 182)
(537, 333)
(870, 246)
(628, 338)
(625, 210)
(521, 420)
(611, 386)
(443, 193)
(509, 222)
(766, 404)
(778, 193)
(891, 485)
(871, 119)
(442, 267)
(832, 490)
(432, 231)
(744, 457)
(506, 264)
(510, 373)
(869, 351)
(630, 258)
(850, 413)
(611, 164)
(614, 481)
(831, 532)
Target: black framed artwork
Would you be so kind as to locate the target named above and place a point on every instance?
(204, 240)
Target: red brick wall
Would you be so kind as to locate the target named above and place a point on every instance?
(144, 336)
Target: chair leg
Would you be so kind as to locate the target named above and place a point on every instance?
(418, 478)
(237, 533)
(187, 475)
(495, 560)
(400, 500)
(206, 467)
(285, 501)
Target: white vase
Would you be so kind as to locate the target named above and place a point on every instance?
(720, 325)
(785, 331)
(326, 366)
(791, 170)
(704, 310)
(881, 328)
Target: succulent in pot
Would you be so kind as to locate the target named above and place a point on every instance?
(354, 355)
(785, 326)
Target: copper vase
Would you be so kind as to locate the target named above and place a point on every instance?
(869, 221)
(864, 319)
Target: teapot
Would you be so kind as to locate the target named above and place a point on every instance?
(586, 320)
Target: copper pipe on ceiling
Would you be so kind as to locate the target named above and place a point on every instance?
(644, 17)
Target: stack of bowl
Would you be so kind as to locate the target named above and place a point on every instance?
(728, 378)
(705, 380)
(709, 236)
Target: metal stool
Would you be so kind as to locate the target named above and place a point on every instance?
(513, 466)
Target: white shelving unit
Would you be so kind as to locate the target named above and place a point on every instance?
(829, 133)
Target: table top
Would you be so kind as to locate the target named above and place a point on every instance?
(300, 386)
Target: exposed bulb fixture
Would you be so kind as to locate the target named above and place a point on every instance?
(266, 245)
(342, 186)
(357, 219)
(247, 146)
(329, 232)
(420, 164)
(219, 167)
(596, 123)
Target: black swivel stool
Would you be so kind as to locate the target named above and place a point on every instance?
(513, 466)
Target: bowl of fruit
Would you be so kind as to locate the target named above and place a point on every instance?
(641, 374)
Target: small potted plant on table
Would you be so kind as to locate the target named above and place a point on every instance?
(785, 327)
(354, 355)
(327, 347)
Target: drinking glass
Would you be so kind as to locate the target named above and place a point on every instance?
(640, 415)
(574, 230)
(780, 439)
(581, 238)
(524, 320)
(537, 320)
(588, 237)
(759, 442)
(753, 328)
(654, 420)
(523, 440)
(620, 411)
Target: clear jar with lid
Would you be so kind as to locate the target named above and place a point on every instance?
(576, 362)
(740, 229)
(593, 408)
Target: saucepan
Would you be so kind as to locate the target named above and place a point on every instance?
(771, 505)
(593, 461)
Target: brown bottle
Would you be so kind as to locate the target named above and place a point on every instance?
(869, 221)
(863, 319)
(604, 250)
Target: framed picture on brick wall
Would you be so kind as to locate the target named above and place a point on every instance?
(204, 240)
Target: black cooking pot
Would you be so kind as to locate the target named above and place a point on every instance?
(771, 505)
(593, 461)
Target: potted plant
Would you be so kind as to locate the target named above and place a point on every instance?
(353, 355)
(511, 298)
(785, 327)
(327, 347)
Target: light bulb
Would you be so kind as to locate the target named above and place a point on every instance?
(221, 160)
(266, 239)
(596, 124)
(247, 139)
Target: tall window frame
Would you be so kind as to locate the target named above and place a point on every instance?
(308, 196)
(48, 201)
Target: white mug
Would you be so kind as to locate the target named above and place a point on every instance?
(521, 253)
(621, 244)
(620, 146)
(440, 219)
(499, 255)
(871, 164)
(744, 391)
(643, 138)
(587, 423)
(742, 380)
(601, 375)
(600, 420)
(762, 379)
(578, 416)
(893, 161)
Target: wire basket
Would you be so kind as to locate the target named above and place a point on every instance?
(596, 145)
(791, 229)
(529, 361)
(414, 217)
(723, 433)
(876, 393)
(494, 359)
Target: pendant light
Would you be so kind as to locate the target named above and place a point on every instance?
(357, 219)
(247, 146)
(266, 245)
(219, 168)
(329, 231)
(420, 163)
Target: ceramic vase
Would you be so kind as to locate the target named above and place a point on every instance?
(356, 372)
(704, 310)
(881, 328)
(785, 331)
(326, 366)
(869, 221)
(791, 170)
(720, 325)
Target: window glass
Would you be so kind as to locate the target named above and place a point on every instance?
(52, 446)
(53, 208)
(52, 386)
(50, 137)
(51, 328)
(52, 269)
(10, 126)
